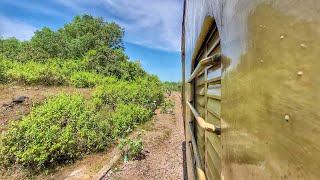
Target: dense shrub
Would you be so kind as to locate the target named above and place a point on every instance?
(65, 127)
(130, 148)
(60, 130)
(126, 117)
(35, 73)
(143, 91)
(152, 89)
(173, 86)
(167, 107)
(3, 71)
(3, 77)
(79, 73)
(84, 79)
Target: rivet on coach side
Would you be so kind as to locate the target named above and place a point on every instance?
(303, 45)
(287, 117)
(300, 73)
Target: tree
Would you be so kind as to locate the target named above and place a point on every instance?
(10, 47)
(28, 52)
(87, 32)
(132, 70)
(106, 61)
(74, 40)
(51, 42)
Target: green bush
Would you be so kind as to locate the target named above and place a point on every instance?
(173, 86)
(167, 107)
(3, 77)
(3, 70)
(126, 117)
(131, 148)
(143, 91)
(79, 73)
(64, 128)
(84, 79)
(5, 65)
(35, 73)
(60, 130)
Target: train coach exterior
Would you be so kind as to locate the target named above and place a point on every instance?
(251, 88)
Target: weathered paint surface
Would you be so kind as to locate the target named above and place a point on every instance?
(270, 85)
(263, 90)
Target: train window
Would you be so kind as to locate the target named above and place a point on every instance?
(207, 101)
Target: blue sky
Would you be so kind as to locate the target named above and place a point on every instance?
(153, 27)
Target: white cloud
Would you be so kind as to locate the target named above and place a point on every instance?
(14, 28)
(155, 24)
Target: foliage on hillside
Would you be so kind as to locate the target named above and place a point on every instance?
(142, 91)
(59, 130)
(85, 72)
(87, 52)
(64, 128)
(80, 54)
